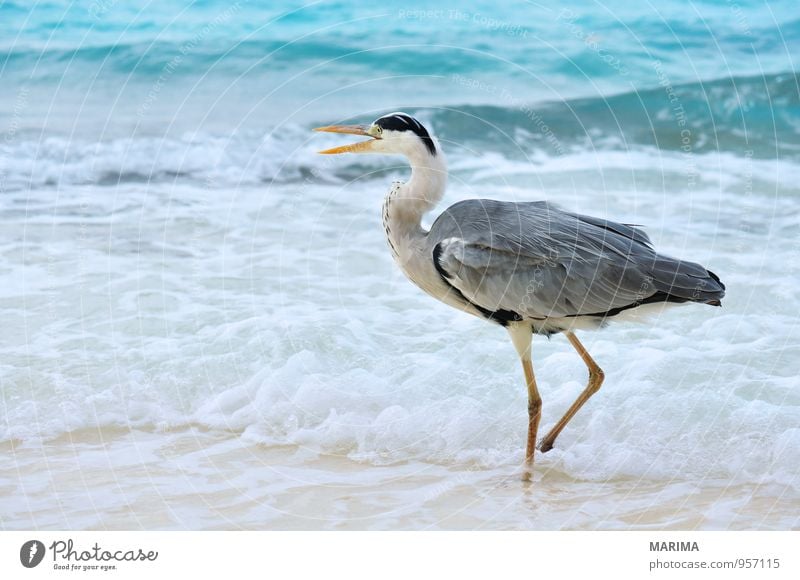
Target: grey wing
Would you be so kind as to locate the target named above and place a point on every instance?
(534, 260)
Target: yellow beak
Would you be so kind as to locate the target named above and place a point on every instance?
(350, 130)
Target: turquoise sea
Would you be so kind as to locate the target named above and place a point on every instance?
(203, 327)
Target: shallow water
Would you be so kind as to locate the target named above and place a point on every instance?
(274, 320)
(195, 479)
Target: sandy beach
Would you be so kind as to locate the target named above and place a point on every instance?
(193, 479)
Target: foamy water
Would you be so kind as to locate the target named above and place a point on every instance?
(273, 320)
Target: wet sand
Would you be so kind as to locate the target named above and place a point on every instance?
(118, 479)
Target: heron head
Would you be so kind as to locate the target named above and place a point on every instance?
(395, 133)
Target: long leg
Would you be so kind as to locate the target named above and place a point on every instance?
(534, 415)
(522, 335)
(596, 376)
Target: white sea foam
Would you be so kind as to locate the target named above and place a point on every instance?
(275, 312)
(287, 155)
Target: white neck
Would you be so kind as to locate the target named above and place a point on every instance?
(406, 203)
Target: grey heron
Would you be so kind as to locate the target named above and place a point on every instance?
(531, 267)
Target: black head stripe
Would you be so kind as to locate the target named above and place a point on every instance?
(403, 122)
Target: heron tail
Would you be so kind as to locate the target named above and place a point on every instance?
(683, 281)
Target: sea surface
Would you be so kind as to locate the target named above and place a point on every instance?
(202, 326)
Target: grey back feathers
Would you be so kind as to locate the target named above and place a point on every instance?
(403, 122)
(536, 261)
